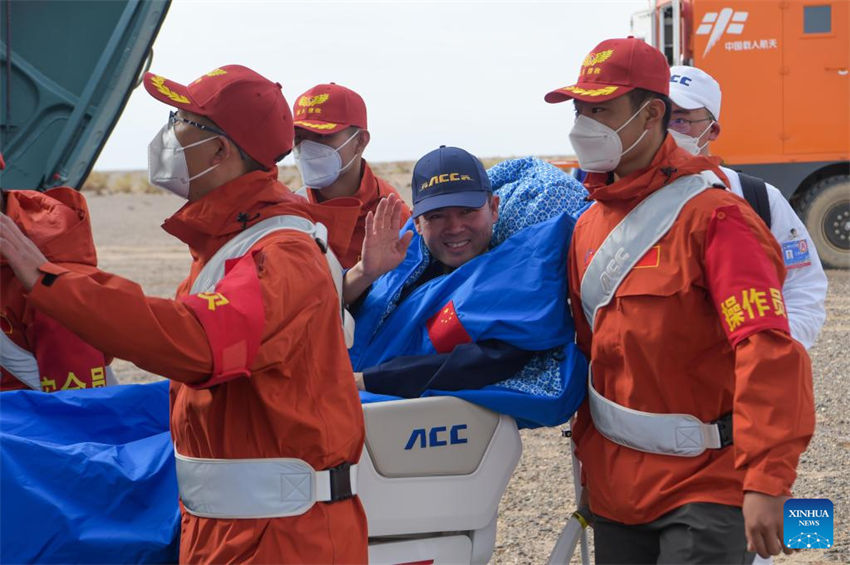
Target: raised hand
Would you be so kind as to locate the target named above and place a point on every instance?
(383, 250)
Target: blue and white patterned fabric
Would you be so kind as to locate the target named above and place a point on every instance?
(516, 292)
(523, 203)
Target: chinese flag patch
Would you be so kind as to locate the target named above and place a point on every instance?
(651, 259)
(445, 329)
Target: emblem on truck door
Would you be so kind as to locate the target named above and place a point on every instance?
(716, 23)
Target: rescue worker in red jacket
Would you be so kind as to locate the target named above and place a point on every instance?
(36, 351)
(681, 313)
(330, 137)
(265, 416)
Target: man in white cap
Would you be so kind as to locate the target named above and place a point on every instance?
(694, 124)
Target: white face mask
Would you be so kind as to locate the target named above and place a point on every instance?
(167, 166)
(319, 164)
(597, 146)
(688, 143)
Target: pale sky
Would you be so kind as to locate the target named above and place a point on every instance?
(470, 74)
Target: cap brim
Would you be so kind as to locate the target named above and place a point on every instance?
(586, 92)
(324, 128)
(684, 100)
(470, 199)
(170, 92)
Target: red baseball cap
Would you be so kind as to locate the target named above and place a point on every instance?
(615, 67)
(248, 107)
(328, 108)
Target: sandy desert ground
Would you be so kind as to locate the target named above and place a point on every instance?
(540, 496)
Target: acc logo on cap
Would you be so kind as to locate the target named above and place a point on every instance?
(445, 177)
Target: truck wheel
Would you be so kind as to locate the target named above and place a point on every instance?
(825, 210)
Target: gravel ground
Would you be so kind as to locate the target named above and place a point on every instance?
(540, 495)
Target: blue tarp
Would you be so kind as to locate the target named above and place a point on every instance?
(87, 477)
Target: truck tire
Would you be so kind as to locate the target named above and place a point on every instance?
(825, 210)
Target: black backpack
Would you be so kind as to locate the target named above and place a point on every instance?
(755, 193)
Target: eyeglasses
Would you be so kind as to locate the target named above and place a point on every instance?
(682, 124)
(173, 118)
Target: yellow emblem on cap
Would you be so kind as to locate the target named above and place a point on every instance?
(306, 104)
(212, 73)
(604, 91)
(315, 125)
(313, 100)
(159, 84)
(588, 66)
(596, 58)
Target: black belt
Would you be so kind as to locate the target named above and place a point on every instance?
(724, 428)
(340, 480)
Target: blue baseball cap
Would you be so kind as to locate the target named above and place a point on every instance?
(449, 176)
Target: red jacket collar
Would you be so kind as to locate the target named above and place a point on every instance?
(206, 224)
(670, 162)
(366, 192)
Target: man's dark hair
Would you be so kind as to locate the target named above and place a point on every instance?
(639, 96)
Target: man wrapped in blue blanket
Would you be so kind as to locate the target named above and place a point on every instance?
(473, 304)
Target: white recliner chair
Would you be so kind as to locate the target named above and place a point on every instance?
(431, 478)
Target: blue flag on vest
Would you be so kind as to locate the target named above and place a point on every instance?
(516, 293)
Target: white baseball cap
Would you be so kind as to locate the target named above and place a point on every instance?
(692, 88)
